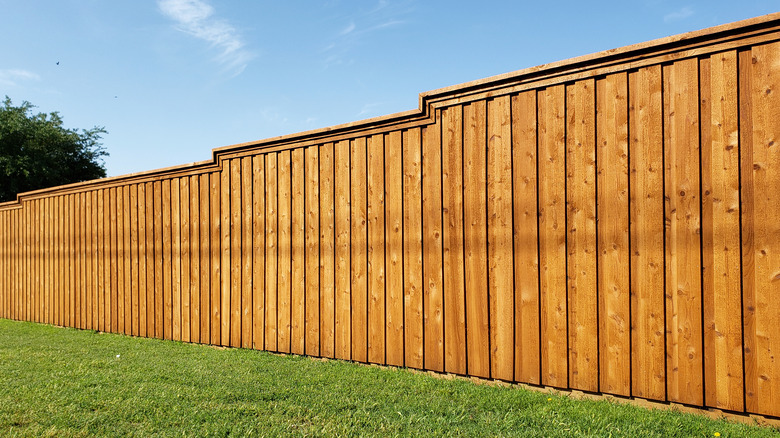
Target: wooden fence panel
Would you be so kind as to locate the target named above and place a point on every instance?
(573, 225)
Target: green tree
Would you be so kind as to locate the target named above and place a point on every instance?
(36, 151)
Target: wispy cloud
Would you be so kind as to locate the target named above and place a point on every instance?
(12, 77)
(681, 14)
(197, 18)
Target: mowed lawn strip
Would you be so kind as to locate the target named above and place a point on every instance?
(66, 382)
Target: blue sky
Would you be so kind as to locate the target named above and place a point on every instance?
(172, 79)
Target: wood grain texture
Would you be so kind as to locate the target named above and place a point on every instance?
(343, 323)
(216, 259)
(394, 257)
(452, 240)
(552, 235)
(327, 252)
(194, 258)
(499, 237)
(236, 278)
(375, 210)
(284, 264)
(271, 252)
(359, 248)
(526, 238)
(646, 201)
(176, 292)
(297, 254)
(258, 255)
(683, 233)
(311, 158)
(247, 254)
(614, 293)
(475, 232)
(413, 254)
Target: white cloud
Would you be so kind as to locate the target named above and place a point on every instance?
(12, 77)
(196, 17)
(348, 29)
(683, 13)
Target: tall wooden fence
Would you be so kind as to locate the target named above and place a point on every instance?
(609, 223)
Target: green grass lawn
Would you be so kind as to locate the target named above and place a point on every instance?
(65, 382)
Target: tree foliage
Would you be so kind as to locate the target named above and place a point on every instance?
(36, 151)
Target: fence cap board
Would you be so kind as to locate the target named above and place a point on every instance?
(430, 100)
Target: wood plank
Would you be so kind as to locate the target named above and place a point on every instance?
(475, 232)
(206, 259)
(136, 275)
(343, 323)
(297, 254)
(247, 254)
(99, 314)
(376, 249)
(327, 253)
(452, 240)
(195, 258)
(762, 169)
(120, 258)
(168, 283)
(236, 231)
(581, 230)
(73, 267)
(526, 238)
(176, 249)
(271, 252)
(159, 258)
(215, 214)
(499, 237)
(312, 194)
(143, 287)
(394, 257)
(112, 262)
(127, 260)
(721, 283)
(184, 226)
(359, 255)
(284, 291)
(258, 258)
(683, 244)
(552, 235)
(648, 370)
(226, 263)
(613, 235)
(433, 284)
(413, 254)
(151, 249)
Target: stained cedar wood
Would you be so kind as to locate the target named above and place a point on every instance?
(526, 258)
(613, 234)
(159, 257)
(205, 259)
(236, 273)
(141, 250)
(475, 231)
(748, 214)
(258, 256)
(433, 318)
(128, 261)
(109, 248)
(222, 210)
(413, 258)
(452, 240)
(98, 312)
(176, 292)
(343, 343)
(376, 250)
(151, 307)
(112, 260)
(500, 263)
(247, 298)
(312, 194)
(648, 370)
(683, 261)
(271, 253)
(298, 266)
(231, 289)
(327, 252)
(359, 256)
(184, 258)
(581, 231)
(216, 259)
(720, 214)
(284, 236)
(118, 260)
(195, 259)
(73, 257)
(89, 255)
(763, 385)
(167, 259)
(135, 310)
(552, 235)
(394, 256)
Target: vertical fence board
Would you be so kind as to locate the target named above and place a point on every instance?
(343, 324)
(298, 266)
(613, 234)
(376, 250)
(327, 252)
(216, 257)
(185, 288)
(359, 255)
(194, 258)
(284, 288)
(236, 271)
(452, 240)
(271, 253)
(683, 261)
(205, 258)
(167, 241)
(413, 255)
(394, 257)
(176, 249)
(247, 254)
(258, 257)
(312, 194)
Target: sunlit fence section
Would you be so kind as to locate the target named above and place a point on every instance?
(609, 223)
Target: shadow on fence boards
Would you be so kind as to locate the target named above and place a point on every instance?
(610, 223)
